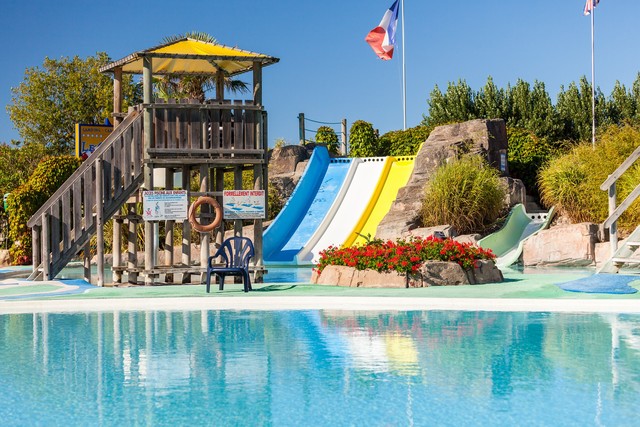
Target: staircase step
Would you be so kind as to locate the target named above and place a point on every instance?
(625, 260)
(633, 244)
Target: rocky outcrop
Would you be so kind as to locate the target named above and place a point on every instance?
(485, 137)
(432, 273)
(569, 245)
(5, 258)
(515, 191)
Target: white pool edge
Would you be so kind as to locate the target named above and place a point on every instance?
(319, 303)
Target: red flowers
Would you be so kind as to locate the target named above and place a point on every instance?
(402, 255)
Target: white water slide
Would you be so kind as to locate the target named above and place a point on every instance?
(346, 210)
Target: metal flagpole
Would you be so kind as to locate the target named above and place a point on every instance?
(593, 78)
(404, 78)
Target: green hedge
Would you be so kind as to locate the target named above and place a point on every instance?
(24, 201)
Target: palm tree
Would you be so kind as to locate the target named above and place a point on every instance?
(193, 87)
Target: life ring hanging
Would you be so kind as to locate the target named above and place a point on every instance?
(216, 220)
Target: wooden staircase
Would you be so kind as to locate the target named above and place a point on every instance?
(620, 255)
(623, 254)
(65, 224)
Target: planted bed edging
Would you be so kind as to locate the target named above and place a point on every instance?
(432, 273)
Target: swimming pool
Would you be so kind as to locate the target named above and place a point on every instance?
(319, 367)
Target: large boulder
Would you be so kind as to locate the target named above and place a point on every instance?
(5, 258)
(485, 137)
(283, 160)
(568, 245)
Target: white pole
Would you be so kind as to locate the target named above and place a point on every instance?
(404, 78)
(593, 80)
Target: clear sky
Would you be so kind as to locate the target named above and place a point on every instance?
(326, 70)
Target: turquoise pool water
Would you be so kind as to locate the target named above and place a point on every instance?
(294, 368)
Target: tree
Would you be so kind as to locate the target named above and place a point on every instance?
(574, 109)
(326, 135)
(51, 99)
(192, 87)
(490, 101)
(363, 140)
(17, 164)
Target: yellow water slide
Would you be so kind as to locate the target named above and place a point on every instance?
(395, 175)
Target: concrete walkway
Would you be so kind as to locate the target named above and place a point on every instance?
(535, 291)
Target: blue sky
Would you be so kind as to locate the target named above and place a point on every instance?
(326, 69)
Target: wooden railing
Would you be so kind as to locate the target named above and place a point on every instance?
(215, 130)
(63, 226)
(615, 211)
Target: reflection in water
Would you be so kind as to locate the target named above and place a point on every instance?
(289, 367)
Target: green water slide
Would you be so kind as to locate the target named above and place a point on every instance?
(507, 243)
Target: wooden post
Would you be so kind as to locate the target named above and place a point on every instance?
(117, 96)
(343, 148)
(257, 83)
(219, 85)
(117, 252)
(186, 227)
(168, 226)
(613, 229)
(86, 262)
(46, 252)
(149, 237)
(36, 250)
(219, 186)
(301, 128)
(237, 185)
(132, 245)
(205, 238)
(100, 222)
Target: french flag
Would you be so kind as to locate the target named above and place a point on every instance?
(382, 38)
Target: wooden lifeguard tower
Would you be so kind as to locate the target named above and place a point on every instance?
(212, 138)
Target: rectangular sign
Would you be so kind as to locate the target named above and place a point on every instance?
(243, 204)
(164, 205)
(88, 137)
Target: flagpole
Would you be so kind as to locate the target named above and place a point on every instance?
(593, 79)
(404, 78)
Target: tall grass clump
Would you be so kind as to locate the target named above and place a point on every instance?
(572, 182)
(466, 194)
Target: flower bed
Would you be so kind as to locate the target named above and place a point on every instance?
(403, 256)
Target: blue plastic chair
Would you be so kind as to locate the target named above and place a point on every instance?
(236, 253)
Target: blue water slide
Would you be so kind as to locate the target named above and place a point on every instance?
(299, 232)
(285, 224)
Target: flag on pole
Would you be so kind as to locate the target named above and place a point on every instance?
(382, 38)
(589, 6)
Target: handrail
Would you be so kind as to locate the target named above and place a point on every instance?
(620, 170)
(124, 126)
(616, 211)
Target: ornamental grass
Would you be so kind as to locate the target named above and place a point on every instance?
(403, 256)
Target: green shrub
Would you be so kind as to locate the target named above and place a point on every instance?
(527, 154)
(466, 194)
(404, 142)
(23, 202)
(326, 135)
(572, 182)
(363, 140)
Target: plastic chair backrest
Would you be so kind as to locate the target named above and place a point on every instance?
(236, 251)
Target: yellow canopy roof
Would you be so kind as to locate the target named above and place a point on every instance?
(189, 56)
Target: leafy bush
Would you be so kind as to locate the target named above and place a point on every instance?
(466, 194)
(48, 176)
(527, 154)
(363, 140)
(403, 256)
(572, 182)
(17, 164)
(326, 135)
(404, 142)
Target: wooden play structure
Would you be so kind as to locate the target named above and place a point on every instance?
(188, 137)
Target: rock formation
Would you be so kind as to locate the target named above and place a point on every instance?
(485, 137)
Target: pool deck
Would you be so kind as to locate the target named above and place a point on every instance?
(519, 292)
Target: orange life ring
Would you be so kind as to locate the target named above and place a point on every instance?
(216, 220)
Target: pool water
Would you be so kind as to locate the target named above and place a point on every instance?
(334, 368)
